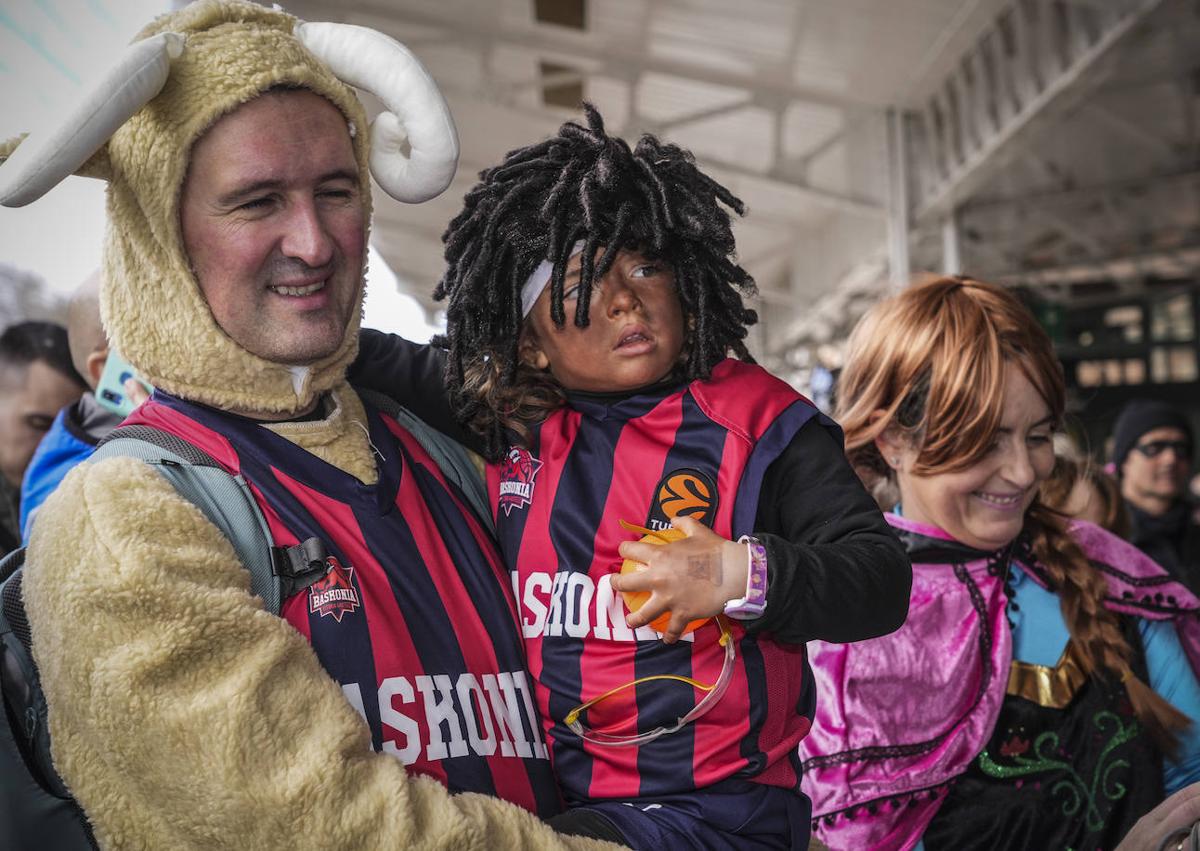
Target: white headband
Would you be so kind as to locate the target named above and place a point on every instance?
(536, 282)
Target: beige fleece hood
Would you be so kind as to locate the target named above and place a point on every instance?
(212, 56)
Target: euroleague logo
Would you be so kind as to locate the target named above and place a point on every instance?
(687, 491)
(516, 479)
(334, 593)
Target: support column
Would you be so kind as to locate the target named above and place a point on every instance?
(951, 246)
(897, 222)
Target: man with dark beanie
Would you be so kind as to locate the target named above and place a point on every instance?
(1152, 454)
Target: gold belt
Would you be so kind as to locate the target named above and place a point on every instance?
(1050, 687)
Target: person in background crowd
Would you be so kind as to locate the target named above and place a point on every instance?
(1079, 488)
(1153, 447)
(182, 713)
(1043, 691)
(81, 425)
(37, 380)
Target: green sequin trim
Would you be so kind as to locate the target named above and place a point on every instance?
(1100, 790)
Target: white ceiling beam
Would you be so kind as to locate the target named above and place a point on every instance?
(1049, 174)
(1036, 198)
(983, 255)
(980, 164)
(546, 81)
(899, 259)
(1175, 263)
(803, 160)
(1093, 245)
(1098, 5)
(442, 39)
(660, 127)
(938, 50)
(618, 59)
(1153, 144)
(842, 203)
(802, 190)
(952, 263)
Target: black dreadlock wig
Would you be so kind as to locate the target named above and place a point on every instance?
(580, 185)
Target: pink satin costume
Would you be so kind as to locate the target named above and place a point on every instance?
(899, 717)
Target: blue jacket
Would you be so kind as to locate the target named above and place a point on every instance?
(72, 438)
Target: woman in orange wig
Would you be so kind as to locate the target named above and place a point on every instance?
(1041, 692)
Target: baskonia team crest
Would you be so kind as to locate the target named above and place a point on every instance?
(516, 479)
(334, 593)
(686, 491)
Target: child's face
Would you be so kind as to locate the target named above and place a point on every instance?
(634, 336)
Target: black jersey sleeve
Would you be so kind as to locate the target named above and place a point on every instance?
(412, 374)
(836, 571)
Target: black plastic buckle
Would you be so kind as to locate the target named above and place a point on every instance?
(300, 565)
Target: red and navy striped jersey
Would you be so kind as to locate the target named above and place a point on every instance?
(700, 449)
(414, 619)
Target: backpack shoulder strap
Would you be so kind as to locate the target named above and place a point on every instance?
(11, 563)
(19, 681)
(225, 499)
(452, 459)
(37, 807)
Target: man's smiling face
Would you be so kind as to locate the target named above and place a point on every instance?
(274, 226)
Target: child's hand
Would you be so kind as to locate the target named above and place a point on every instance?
(692, 578)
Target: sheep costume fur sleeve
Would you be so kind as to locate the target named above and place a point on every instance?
(183, 715)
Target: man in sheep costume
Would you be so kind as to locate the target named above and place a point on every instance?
(183, 713)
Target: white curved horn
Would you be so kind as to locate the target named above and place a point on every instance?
(370, 60)
(44, 159)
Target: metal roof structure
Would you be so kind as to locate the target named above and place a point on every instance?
(1076, 159)
(1045, 142)
(783, 101)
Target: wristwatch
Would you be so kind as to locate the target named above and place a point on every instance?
(754, 603)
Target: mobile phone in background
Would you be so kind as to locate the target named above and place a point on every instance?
(110, 392)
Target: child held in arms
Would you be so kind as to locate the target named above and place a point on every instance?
(594, 305)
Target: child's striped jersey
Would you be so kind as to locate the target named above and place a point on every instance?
(700, 449)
